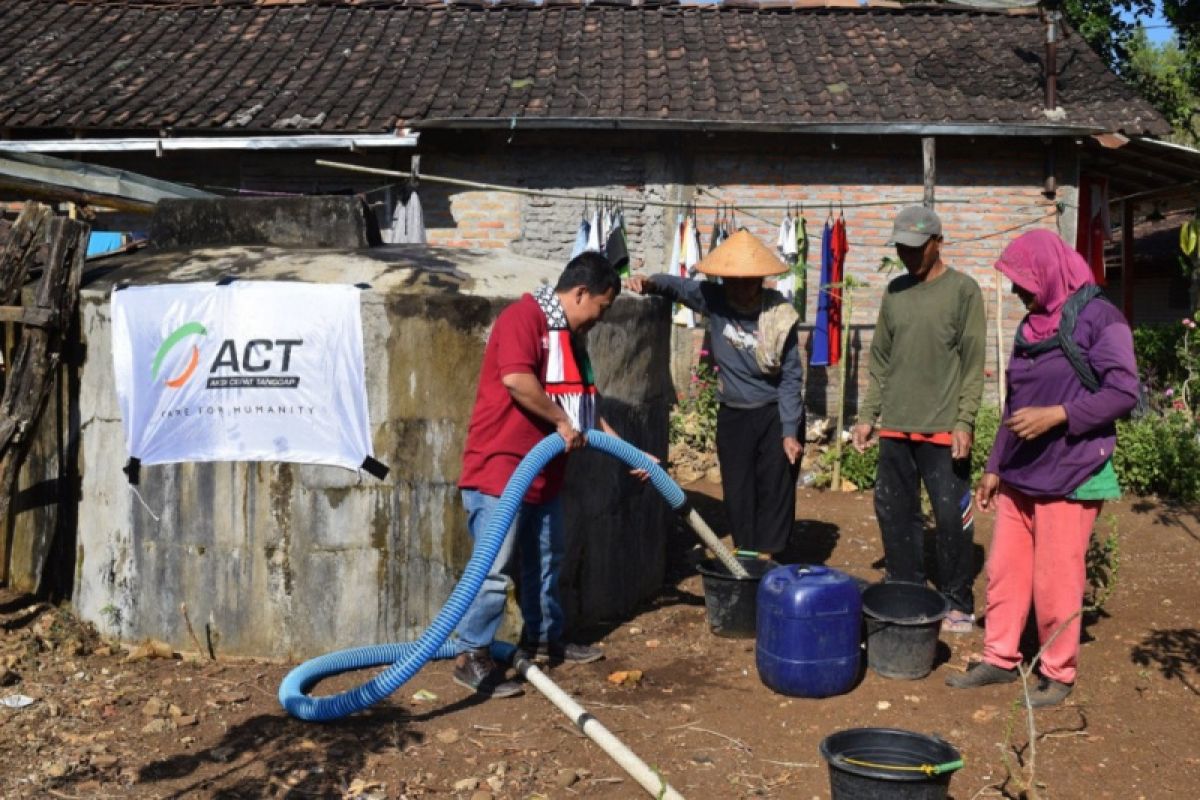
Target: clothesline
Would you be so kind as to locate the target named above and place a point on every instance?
(631, 200)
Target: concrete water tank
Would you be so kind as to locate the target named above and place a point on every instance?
(288, 561)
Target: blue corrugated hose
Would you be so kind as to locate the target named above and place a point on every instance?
(406, 658)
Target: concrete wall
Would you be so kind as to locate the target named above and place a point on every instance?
(284, 560)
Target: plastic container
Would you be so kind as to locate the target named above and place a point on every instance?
(809, 631)
(732, 602)
(888, 764)
(903, 622)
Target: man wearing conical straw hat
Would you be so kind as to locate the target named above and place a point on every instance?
(759, 385)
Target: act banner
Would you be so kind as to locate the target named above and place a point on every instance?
(248, 371)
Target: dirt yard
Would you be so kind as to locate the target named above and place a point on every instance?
(106, 722)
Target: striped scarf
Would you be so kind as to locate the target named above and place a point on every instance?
(568, 379)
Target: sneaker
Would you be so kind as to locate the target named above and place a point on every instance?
(980, 673)
(559, 652)
(475, 670)
(1049, 692)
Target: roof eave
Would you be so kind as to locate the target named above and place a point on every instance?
(703, 126)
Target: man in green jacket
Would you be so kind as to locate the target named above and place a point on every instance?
(924, 388)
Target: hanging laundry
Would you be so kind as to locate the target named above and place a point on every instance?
(820, 337)
(695, 247)
(1094, 227)
(785, 243)
(595, 240)
(838, 247)
(581, 237)
(718, 231)
(408, 221)
(800, 268)
(616, 249)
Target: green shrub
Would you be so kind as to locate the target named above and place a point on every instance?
(1156, 348)
(858, 468)
(986, 425)
(1159, 455)
(693, 420)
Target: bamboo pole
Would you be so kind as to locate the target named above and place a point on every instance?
(847, 309)
(1002, 384)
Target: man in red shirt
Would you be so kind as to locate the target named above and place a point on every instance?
(536, 379)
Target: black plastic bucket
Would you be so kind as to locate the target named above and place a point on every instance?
(732, 603)
(888, 764)
(903, 622)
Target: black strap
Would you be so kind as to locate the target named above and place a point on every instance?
(225, 280)
(133, 470)
(1065, 339)
(375, 468)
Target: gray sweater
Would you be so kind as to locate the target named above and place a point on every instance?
(740, 382)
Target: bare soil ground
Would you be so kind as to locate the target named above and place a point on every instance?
(106, 725)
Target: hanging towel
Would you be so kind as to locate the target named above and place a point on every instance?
(568, 379)
(675, 266)
(820, 336)
(1094, 227)
(616, 249)
(838, 249)
(408, 221)
(594, 242)
(800, 269)
(676, 243)
(581, 237)
(718, 235)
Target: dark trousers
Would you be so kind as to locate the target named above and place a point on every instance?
(758, 481)
(903, 466)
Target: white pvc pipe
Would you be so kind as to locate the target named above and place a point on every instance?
(641, 772)
(713, 543)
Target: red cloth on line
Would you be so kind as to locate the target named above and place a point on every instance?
(1093, 229)
(840, 246)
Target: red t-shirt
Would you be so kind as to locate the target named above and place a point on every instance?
(501, 432)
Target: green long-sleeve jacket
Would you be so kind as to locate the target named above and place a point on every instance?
(926, 369)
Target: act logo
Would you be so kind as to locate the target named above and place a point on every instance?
(169, 344)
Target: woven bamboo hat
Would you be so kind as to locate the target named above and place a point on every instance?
(741, 256)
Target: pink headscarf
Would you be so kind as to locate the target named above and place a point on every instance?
(1043, 264)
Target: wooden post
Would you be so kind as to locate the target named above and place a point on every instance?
(929, 160)
(835, 482)
(1127, 259)
(1001, 366)
(33, 371)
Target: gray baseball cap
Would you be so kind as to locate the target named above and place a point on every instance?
(914, 225)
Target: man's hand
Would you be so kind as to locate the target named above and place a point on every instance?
(985, 492)
(960, 444)
(792, 449)
(574, 439)
(638, 284)
(641, 474)
(1033, 421)
(860, 436)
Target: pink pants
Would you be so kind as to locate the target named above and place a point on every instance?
(1037, 556)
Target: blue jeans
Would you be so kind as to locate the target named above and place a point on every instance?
(537, 537)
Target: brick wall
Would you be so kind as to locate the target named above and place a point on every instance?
(988, 192)
(1000, 181)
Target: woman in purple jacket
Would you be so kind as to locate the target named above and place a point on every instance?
(1071, 376)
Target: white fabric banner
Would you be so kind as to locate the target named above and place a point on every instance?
(250, 371)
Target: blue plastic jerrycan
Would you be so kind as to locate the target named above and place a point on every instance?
(809, 631)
